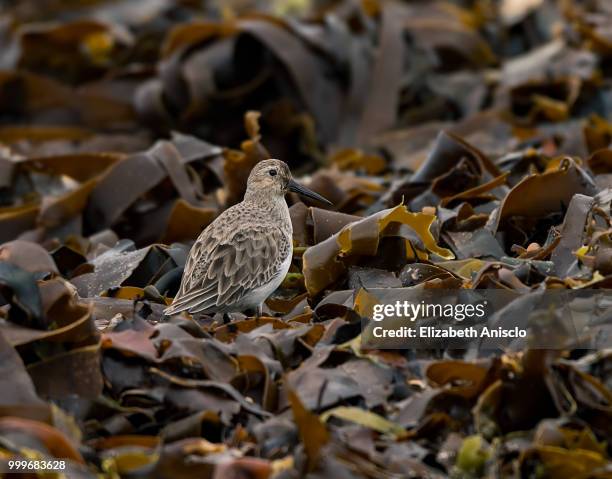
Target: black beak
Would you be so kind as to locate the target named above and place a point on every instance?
(302, 190)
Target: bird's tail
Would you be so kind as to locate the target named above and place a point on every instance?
(170, 310)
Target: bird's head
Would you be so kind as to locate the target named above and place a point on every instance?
(273, 178)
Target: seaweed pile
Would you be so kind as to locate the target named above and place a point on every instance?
(464, 144)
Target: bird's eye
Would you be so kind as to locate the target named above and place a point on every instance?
(272, 172)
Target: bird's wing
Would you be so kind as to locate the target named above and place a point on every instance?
(221, 270)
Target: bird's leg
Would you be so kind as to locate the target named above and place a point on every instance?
(259, 310)
(227, 318)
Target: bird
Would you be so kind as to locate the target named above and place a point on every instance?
(245, 253)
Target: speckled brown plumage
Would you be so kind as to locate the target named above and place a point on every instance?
(244, 255)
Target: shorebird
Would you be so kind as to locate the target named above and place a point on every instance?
(244, 255)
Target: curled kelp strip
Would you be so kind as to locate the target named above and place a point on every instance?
(325, 262)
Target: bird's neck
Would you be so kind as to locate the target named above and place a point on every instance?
(273, 206)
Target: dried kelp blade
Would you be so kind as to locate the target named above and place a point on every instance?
(325, 262)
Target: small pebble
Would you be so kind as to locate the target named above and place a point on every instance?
(428, 210)
(533, 247)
